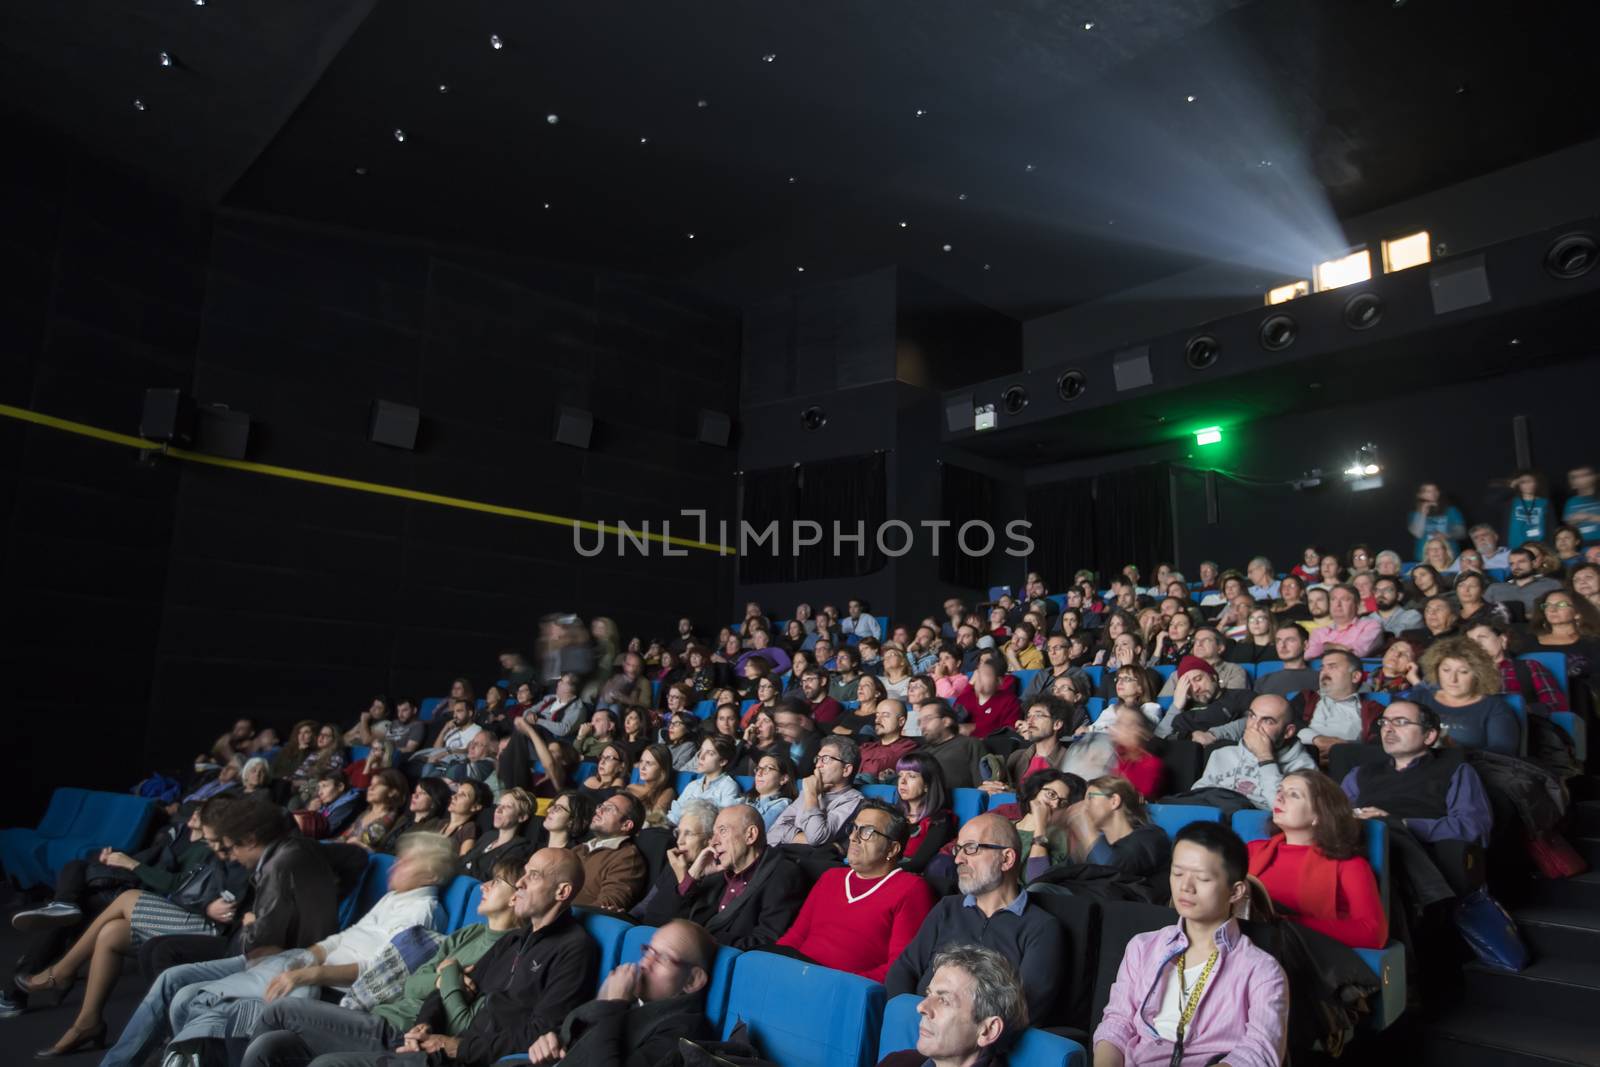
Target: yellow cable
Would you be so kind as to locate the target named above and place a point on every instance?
(376, 488)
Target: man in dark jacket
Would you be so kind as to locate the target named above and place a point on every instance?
(744, 893)
(974, 1008)
(643, 1009)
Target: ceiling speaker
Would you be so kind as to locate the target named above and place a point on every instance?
(715, 427)
(394, 425)
(1460, 283)
(574, 426)
(167, 416)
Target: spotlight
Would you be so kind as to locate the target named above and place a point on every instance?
(1014, 400)
(1071, 385)
(1363, 311)
(1412, 250)
(813, 418)
(1346, 270)
(1208, 435)
(1201, 352)
(1572, 256)
(1285, 293)
(1278, 332)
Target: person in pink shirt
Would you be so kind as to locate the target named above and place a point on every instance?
(1350, 629)
(948, 681)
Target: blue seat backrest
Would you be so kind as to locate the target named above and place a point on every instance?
(455, 899)
(1555, 663)
(1094, 674)
(886, 793)
(968, 804)
(359, 753)
(607, 930)
(1268, 666)
(682, 780)
(1251, 824)
(374, 884)
(1034, 1048)
(1164, 702)
(428, 707)
(1094, 706)
(118, 820)
(997, 799)
(1497, 574)
(59, 817)
(637, 937)
(1165, 670)
(805, 1015)
(1058, 599)
(585, 769)
(1249, 670)
(883, 627)
(1379, 698)
(1174, 817)
(655, 692)
(1024, 679)
(746, 782)
(705, 708)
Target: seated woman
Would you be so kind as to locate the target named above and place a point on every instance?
(1311, 865)
(1563, 622)
(428, 811)
(1111, 827)
(1584, 582)
(1463, 685)
(1132, 685)
(1131, 734)
(327, 756)
(755, 668)
(566, 820)
(703, 673)
(1172, 643)
(774, 786)
(1291, 605)
(331, 810)
(635, 732)
(922, 796)
(690, 836)
(768, 693)
(858, 722)
(1425, 583)
(386, 798)
(725, 723)
(798, 666)
(1439, 618)
(1399, 670)
(194, 906)
(715, 785)
(612, 771)
(897, 673)
(301, 743)
(669, 671)
(461, 822)
(1040, 815)
(1257, 644)
(495, 709)
(1471, 607)
(655, 787)
(512, 813)
(682, 738)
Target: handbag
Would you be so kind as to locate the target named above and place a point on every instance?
(1490, 931)
(1554, 855)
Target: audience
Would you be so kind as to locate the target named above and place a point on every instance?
(1462, 685)
(1251, 768)
(512, 814)
(923, 799)
(1111, 827)
(714, 785)
(959, 756)
(745, 893)
(614, 872)
(827, 801)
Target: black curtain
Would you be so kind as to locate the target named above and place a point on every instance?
(850, 492)
(965, 496)
(1104, 523)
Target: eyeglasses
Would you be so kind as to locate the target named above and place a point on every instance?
(1093, 793)
(651, 952)
(1385, 722)
(866, 834)
(972, 848)
(509, 885)
(1548, 604)
(828, 756)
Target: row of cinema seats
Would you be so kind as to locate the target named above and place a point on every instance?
(76, 825)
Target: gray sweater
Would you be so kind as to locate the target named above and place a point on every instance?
(1236, 767)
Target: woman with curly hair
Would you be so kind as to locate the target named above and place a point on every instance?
(1311, 866)
(1462, 684)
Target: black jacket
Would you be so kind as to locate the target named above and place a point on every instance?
(620, 1033)
(529, 981)
(756, 917)
(295, 898)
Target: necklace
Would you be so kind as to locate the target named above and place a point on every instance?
(852, 897)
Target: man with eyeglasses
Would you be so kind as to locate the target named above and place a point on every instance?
(860, 918)
(1045, 721)
(1058, 662)
(743, 892)
(614, 870)
(827, 800)
(1431, 792)
(1334, 713)
(643, 1009)
(995, 913)
(1251, 769)
(889, 743)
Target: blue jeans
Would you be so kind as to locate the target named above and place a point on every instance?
(231, 1006)
(149, 1022)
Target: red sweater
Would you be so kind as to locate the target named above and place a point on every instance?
(866, 937)
(992, 715)
(1146, 772)
(1338, 898)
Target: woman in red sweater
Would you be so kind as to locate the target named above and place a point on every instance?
(1131, 733)
(925, 802)
(1311, 866)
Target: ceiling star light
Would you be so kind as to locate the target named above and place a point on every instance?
(443, 88)
(920, 112)
(702, 103)
(904, 224)
(399, 134)
(164, 58)
(770, 57)
(691, 235)
(1029, 167)
(361, 171)
(961, 196)
(552, 118)
(1088, 25)
(1189, 99)
(138, 105)
(946, 248)
(1347, 269)
(644, 140)
(800, 270)
(495, 42)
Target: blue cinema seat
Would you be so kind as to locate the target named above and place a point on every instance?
(633, 943)
(805, 1015)
(1035, 1048)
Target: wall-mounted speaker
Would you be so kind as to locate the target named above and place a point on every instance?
(958, 412)
(221, 432)
(1131, 369)
(574, 426)
(1459, 283)
(394, 425)
(167, 416)
(715, 426)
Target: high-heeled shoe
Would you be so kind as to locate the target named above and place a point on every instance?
(50, 984)
(92, 1038)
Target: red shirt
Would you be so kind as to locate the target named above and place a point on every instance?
(864, 937)
(1338, 898)
(827, 712)
(990, 716)
(1145, 772)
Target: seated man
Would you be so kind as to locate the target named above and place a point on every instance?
(990, 705)
(889, 743)
(958, 755)
(1253, 768)
(1349, 629)
(1198, 702)
(862, 917)
(232, 1006)
(1392, 614)
(745, 893)
(643, 1009)
(824, 710)
(1198, 991)
(614, 870)
(593, 736)
(374, 1016)
(820, 815)
(1431, 792)
(1332, 714)
(1290, 640)
(451, 743)
(972, 1012)
(1207, 645)
(1058, 660)
(1046, 719)
(293, 902)
(995, 913)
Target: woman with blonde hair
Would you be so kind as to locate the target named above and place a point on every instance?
(511, 815)
(1462, 684)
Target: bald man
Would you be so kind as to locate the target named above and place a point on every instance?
(1254, 766)
(743, 892)
(643, 1008)
(995, 913)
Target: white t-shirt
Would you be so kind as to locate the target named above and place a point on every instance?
(1171, 1010)
(1108, 716)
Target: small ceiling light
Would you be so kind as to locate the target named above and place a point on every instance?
(547, 205)
(1363, 311)
(1278, 332)
(495, 42)
(961, 196)
(1264, 163)
(691, 235)
(164, 58)
(1347, 269)
(443, 88)
(792, 179)
(986, 266)
(1571, 256)
(770, 57)
(1088, 25)
(644, 140)
(199, 3)
(138, 105)
(920, 112)
(904, 224)
(800, 270)
(399, 134)
(361, 171)
(1412, 250)
(552, 118)
(1189, 98)
(702, 103)
(1029, 167)
(1285, 293)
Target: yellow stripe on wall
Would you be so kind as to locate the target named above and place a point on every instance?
(336, 482)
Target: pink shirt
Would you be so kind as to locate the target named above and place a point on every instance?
(1360, 637)
(952, 687)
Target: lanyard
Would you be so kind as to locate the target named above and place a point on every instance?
(1189, 1000)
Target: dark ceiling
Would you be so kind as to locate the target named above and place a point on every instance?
(1055, 152)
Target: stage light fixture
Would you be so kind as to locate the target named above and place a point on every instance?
(1412, 250)
(1572, 256)
(1278, 332)
(1285, 293)
(1014, 400)
(1347, 269)
(1208, 435)
(1201, 352)
(1363, 311)
(1071, 385)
